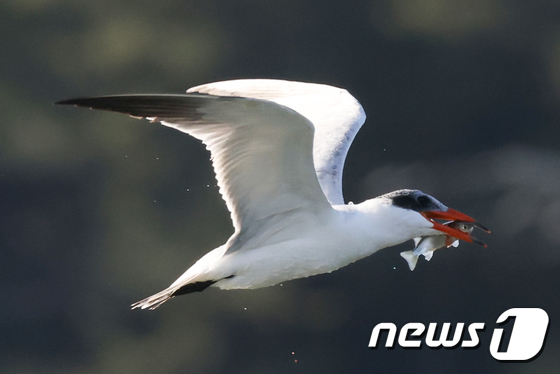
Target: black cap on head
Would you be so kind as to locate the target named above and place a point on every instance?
(414, 200)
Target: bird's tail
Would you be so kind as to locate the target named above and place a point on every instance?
(161, 297)
(411, 258)
(155, 300)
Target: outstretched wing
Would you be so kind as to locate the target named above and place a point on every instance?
(261, 150)
(336, 115)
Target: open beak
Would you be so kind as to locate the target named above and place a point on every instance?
(453, 216)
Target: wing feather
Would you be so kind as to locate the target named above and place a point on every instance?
(261, 150)
(336, 116)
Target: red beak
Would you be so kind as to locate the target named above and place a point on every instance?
(453, 215)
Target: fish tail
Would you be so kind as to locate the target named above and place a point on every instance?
(411, 258)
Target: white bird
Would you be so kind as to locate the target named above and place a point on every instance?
(278, 149)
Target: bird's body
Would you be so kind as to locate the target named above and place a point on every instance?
(278, 150)
(311, 244)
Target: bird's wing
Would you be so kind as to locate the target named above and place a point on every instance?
(336, 115)
(261, 151)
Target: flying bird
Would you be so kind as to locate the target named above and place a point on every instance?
(278, 149)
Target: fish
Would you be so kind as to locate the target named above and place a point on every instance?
(426, 245)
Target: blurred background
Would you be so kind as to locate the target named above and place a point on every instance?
(98, 210)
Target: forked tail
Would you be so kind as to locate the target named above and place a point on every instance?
(161, 297)
(411, 258)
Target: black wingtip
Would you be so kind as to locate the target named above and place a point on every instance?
(135, 105)
(83, 101)
(182, 107)
(64, 102)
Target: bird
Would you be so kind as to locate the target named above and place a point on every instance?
(278, 149)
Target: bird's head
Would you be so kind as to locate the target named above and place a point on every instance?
(415, 203)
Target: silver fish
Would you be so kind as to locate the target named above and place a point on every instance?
(426, 245)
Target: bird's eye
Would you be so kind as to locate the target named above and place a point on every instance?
(424, 200)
